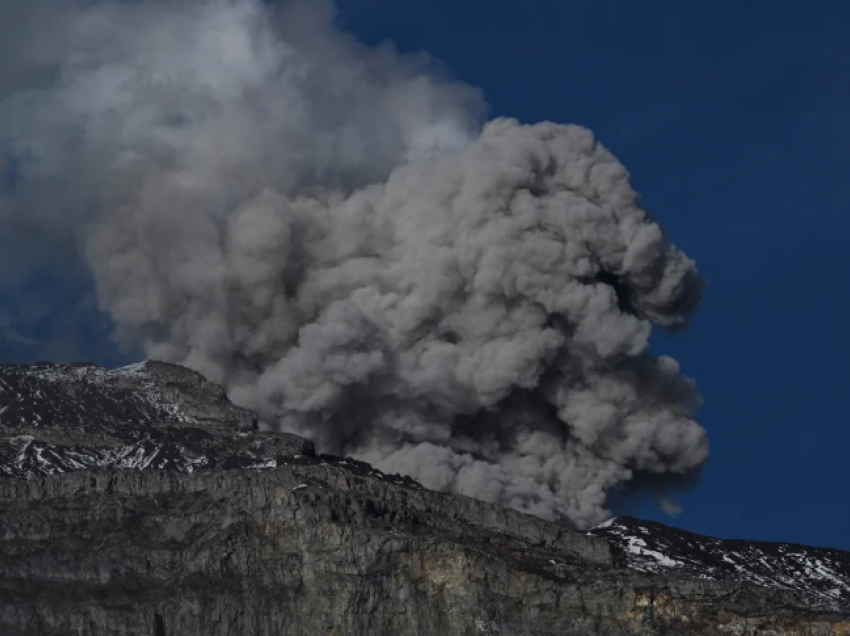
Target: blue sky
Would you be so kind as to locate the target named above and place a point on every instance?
(732, 117)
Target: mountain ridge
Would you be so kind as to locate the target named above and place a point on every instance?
(820, 574)
(253, 532)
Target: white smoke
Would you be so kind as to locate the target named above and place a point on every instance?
(326, 229)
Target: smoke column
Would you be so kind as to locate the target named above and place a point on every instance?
(333, 233)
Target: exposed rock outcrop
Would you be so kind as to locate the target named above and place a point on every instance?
(140, 501)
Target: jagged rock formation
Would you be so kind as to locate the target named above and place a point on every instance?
(819, 577)
(140, 501)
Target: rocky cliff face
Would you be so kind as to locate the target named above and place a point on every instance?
(140, 501)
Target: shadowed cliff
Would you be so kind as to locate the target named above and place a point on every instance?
(140, 501)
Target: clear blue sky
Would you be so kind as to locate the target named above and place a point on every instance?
(734, 119)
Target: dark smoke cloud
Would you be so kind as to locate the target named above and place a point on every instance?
(328, 230)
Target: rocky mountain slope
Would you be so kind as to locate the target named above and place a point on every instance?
(819, 577)
(140, 501)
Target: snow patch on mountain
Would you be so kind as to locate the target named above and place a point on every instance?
(154, 416)
(58, 418)
(821, 576)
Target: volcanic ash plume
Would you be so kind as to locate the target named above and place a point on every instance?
(325, 229)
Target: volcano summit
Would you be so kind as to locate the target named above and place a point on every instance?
(141, 501)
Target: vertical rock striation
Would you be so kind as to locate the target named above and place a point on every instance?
(140, 501)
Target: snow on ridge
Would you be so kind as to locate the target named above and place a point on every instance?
(74, 372)
(127, 404)
(57, 418)
(605, 524)
(34, 458)
(820, 575)
(638, 547)
(66, 394)
(131, 369)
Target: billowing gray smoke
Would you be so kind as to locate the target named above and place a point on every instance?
(327, 230)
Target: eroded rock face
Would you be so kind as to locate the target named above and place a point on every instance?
(818, 577)
(140, 501)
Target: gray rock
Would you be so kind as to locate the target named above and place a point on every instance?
(236, 532)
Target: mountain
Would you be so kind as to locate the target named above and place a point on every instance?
(819, 577)
(141, 501)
